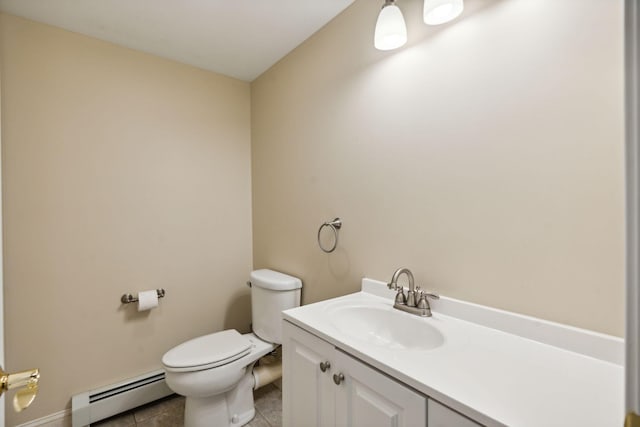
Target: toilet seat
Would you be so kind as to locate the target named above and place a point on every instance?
(206, 352)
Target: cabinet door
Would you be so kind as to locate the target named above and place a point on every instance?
(368, 398)
(441, 416)
(307, 391)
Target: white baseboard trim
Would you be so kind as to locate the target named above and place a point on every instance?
(55, 419)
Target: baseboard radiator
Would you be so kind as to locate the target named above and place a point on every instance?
(95, 405)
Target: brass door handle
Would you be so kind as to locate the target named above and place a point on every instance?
(25, 381)
(632, 420)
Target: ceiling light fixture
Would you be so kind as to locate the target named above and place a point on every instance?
(438, 12)
(391, 31)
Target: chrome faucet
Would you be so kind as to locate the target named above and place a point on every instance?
(410, 299)
(412, 302)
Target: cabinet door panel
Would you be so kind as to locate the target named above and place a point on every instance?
(307, 395)
(370, 408)
(441, 416)
(368, 398)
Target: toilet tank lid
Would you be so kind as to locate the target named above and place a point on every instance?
(275, 281)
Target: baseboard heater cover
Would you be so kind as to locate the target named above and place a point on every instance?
(95, 405)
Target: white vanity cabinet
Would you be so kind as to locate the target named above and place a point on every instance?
(323, 387)
(454, 369)
(366, 397)
(308, 391)
(441, 416)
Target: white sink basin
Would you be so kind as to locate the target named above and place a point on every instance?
(385, 327)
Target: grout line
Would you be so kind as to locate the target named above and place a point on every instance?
(262, 416)
(166, 410)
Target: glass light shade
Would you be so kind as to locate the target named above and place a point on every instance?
(438, 12)
(391, 32)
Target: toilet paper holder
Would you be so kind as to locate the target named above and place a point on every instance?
(128, 298)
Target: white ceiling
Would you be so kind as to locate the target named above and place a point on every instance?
(238, 38)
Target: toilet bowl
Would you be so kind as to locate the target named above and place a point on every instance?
(219, 388)
(214, 372)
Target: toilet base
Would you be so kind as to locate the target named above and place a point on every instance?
(234, 408)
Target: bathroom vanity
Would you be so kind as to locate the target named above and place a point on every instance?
(326, 387)
(355, 361)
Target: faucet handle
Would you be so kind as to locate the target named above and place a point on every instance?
(422, 301)
(420, 294)
(401, 299)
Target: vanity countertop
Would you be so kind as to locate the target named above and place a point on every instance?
(496, 367)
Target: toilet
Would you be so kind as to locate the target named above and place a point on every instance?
(215, 372)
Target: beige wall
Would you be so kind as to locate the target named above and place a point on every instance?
(486, 155)
(121, 172)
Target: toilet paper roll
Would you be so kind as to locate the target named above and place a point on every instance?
(147, 300)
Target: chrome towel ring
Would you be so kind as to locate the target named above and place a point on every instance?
(334, 225)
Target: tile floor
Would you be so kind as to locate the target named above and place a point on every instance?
(169, 412)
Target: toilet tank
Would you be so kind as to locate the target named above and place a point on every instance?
(271, 293)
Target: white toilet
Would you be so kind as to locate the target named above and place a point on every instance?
(214, 371)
